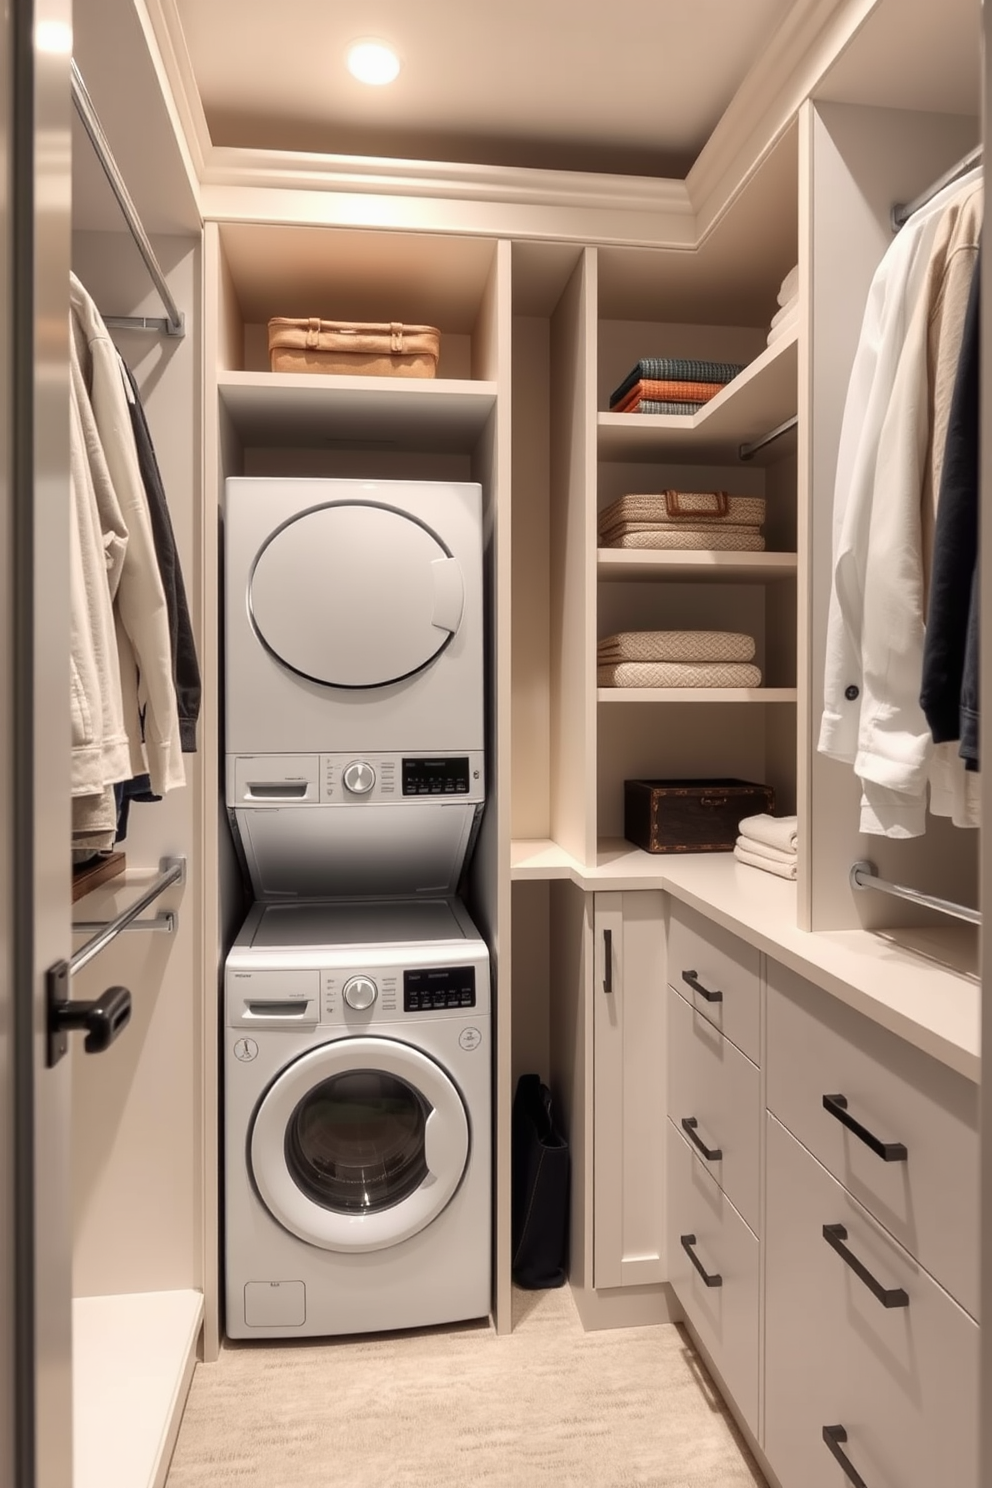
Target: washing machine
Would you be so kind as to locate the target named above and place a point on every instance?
(354, 684)
(358, 1132)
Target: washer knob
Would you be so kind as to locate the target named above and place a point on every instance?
(359, 777)
(360, 992)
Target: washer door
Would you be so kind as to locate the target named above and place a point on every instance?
(355, 594)
(359, 1144)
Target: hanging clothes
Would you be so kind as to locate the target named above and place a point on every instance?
(888, 469)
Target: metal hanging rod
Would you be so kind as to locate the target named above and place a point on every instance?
(748, 451)
(171, 871)
(902, 212)
(864, 875)
(174, 324)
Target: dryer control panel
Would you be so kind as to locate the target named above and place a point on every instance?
(277, 781)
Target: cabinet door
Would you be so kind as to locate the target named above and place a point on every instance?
(629, 1090)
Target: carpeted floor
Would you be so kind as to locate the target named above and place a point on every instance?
(459, 1407)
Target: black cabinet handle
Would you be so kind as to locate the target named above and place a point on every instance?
(711, 1154)
(102, 1020)
(833, 1436)
(691, 980)
(608, 954)
(887, 1151)
(687, 1242)
(835, 1235)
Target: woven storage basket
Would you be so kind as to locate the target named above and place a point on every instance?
(353, 349)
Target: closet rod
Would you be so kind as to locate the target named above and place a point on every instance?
(173, 325)
(901, 212)
(172, 871)
(864, 875)
(746, 451)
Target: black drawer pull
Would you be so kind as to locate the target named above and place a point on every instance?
(711, 1154)
(608, 961)
(887, 1151)
(691, 980)
(888, 1296)
(833, 1436)
(687, 1242)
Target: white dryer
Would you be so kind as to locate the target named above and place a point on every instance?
(357, 1113)
(354, 683)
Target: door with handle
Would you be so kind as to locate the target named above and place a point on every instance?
(35, 1188)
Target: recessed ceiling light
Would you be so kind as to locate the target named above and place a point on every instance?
(373, 62)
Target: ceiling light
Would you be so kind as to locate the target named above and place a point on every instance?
(373, 62)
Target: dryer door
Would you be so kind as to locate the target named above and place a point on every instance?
(355, 594)
(359, 1144)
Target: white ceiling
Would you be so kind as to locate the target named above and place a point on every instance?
(569, 84)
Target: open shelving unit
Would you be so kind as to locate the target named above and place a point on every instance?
(683, 695)
(620, 565)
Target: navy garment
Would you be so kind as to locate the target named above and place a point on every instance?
(185, 669)
(126, 791)
(949, 695)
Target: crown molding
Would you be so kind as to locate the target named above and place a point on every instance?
(163, 24)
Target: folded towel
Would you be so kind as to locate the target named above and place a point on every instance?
(783, 870)
(655, 405)
(675, 645)
(677, 674)
(762, 850)
(704, 539)
(671, 390)
(774, 831)
(685, 508)
(790, 286)
(680, 368)
(786, 310)
(784, 327)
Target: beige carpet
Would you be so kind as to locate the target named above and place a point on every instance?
(458, 1407)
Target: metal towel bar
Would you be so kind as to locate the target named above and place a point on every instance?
(171, 871)
(865, 876)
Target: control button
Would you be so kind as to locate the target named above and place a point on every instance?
(359, 777)
(851, 693)
(470, 1038)
(360, 992)
(245, 1049)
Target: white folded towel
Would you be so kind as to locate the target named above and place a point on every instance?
(773, 831)
(760, 849)
(790, 286)
(783, 870)
(786, 310)
(785, 326)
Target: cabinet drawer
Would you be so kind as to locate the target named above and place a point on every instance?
(712, 1083)
(817, 1047)
(704, 959)
(902, 1381)
(724, 1314)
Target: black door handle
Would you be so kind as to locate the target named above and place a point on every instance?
(887, 1151)
(711, 1280)
(833, 1436)
(835, 1235)
(691, 980)
(102, 1020)
(608, 960)
(711, 1154)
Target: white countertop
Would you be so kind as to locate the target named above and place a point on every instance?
(920, 984)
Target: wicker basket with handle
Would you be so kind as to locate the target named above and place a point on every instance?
(352, 348)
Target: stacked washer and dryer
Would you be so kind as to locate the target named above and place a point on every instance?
(357, 1050)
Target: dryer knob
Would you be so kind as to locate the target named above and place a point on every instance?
(360, 992)
(359, 777)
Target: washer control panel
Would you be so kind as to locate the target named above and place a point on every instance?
(431, 989)
(360, 992)
(358, 777)
(443, 776)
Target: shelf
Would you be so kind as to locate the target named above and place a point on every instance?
(696, 694)
(286, 409)
(540, 858)
(615, 565)
(763, 396)
(132, 1362)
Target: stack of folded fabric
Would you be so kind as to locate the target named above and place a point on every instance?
(671, 385)
(768, 842)
(787, 313)
(684, 519)
(676, 658)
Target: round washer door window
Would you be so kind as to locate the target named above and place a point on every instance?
(355, 594)
(359, 1144)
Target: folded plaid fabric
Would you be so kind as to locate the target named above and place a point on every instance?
(669, 391)
(655, 405)
(678, 368)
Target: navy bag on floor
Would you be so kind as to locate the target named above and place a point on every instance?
(540, 1171)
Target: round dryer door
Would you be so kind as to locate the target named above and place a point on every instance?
(355, 594)
(359, 1144)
